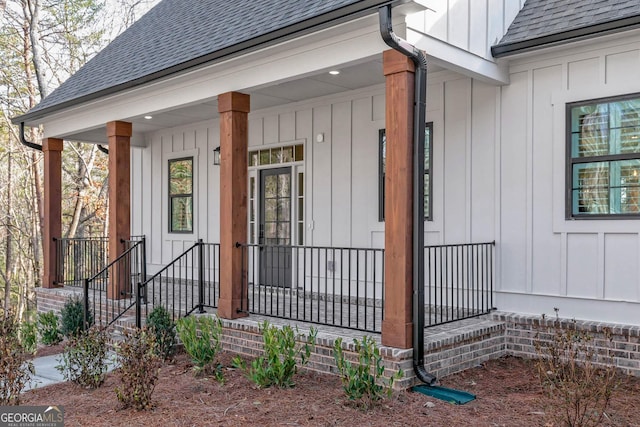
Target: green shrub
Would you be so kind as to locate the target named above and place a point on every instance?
(29, 336)
(72, 317)
(577, 378)
(363, 382)
(48, 328)
(201, 336)
(281, 349)
(84, 358)
(163, 327)
(15, 369)
(139, 365)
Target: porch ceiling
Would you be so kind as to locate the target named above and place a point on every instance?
(351, 77)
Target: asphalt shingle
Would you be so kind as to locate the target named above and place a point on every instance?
(176, 32)
(540, 18)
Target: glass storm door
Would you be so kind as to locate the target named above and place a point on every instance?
(275, 227)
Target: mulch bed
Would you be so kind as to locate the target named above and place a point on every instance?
(508, 394)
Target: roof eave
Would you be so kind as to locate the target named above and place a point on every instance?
(610, 27)
(317, 23)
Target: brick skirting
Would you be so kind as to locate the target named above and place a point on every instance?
(449, 348)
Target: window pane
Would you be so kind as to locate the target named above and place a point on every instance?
(253, 158)
(299, 152)
(625, 119)
(427, 150)
(591, 188)
(625, 187)
(287, 154)
(300, 233)
(301, 184)
(276, 156)
(182, 214)
(180, 176)
(264, 157)
(591, 138)
(426, 195)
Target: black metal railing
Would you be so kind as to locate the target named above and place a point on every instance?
(111, 292)
(79, 258)
(340, 287)
(190, 282)
(458, 282)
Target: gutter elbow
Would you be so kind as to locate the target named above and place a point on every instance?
(26, 143)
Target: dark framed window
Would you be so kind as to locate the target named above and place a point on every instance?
(603, 158)
(382, 166)
(181, 195)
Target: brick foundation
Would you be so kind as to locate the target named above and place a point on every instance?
(449, 348)
(522, 332)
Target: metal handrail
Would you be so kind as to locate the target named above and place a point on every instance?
(122, 255)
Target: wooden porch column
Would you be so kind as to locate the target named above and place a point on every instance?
(119, 135)
(234, 139)
(397, 326)
(52, 149)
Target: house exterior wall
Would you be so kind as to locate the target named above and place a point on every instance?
(498, 174)
(471, 25)
(588, 269)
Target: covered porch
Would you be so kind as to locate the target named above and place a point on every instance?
(306, 215)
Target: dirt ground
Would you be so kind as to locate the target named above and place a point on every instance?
(508, 394)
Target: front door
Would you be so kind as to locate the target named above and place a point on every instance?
(275, 227)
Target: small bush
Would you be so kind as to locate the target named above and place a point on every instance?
(72, 318)
(201, 336)
(362, 382)
(29, 336)
(281, 349)
(163, 327)
(15, 369)
(138, 371)
(48, 328)
(84, 358)
(578, 380)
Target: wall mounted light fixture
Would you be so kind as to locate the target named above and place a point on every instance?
(216, 156)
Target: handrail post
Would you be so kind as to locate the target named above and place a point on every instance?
(200, 276)
(85, 312)
(59, 261)
(144, 267)
(139, 306)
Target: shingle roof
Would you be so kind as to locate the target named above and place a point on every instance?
(177, 34)
(555, 19)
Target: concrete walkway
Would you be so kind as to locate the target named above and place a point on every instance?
(47, 374)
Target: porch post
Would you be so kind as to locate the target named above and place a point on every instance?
(52, 149)
(234, 138)
(397, 326)
(119, 135)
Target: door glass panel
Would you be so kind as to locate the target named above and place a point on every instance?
(284, 210)
(284, 186)
(271, 230)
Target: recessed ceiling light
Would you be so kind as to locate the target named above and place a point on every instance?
(334, 72)
(148, 117)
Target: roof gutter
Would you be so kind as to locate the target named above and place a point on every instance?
(419, 58)
(26, 143)
(605, 28)
(353, 11)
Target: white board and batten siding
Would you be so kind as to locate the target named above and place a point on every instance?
(588, 269)
(149, 183)
(471, 25)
